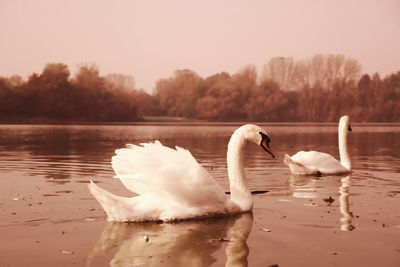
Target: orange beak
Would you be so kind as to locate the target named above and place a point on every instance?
(264, 144)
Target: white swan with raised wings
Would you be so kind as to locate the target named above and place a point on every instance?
(171, 185)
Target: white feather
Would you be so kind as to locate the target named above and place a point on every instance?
(317, 163)
(172, 185)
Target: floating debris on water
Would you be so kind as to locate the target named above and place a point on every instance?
(265, 230)
(64, 191)
(37, 220)
(90, 219)
(334, 252)
(328, 199)
(146, 238)
(218, 240)
(255, 192)
(66, 251)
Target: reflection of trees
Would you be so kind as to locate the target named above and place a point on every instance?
(59, 153)
(190, 243)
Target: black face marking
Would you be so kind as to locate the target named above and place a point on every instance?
(265, 143)
(349, 128)
(265, 137)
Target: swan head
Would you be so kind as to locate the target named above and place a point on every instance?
(344, 123)
(257, 135)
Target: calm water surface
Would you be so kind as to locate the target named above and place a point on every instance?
(49, 215)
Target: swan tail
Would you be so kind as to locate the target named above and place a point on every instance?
(298, 168)
(291, 163)
(288, 160)
(114, 206)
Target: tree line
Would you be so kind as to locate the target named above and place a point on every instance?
(55, 96)
(318, 89)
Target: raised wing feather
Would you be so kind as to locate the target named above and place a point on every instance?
(174, 174)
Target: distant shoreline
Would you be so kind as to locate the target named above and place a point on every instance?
(201, 123)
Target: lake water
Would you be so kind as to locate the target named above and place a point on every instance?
(49, 217)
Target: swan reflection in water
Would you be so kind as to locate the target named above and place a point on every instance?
(307, 187)
(344, 205)
(189, 243)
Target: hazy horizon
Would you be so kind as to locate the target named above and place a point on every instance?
(150, 40)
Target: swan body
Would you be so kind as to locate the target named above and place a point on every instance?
(171, 185)
(318, 163)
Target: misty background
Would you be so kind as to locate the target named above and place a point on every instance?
(264, 60)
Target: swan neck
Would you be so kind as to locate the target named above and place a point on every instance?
(343, 147)
(240, 193)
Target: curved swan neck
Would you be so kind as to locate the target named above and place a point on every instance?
(240, 193)
(343, 148)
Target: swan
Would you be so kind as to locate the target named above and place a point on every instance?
(171, 185)
(318, 163)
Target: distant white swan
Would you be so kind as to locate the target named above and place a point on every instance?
(172, 185)
(318, 163)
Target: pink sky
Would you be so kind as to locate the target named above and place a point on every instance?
(150, 39)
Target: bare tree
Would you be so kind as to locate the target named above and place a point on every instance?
(118, 81)
(281, 70)
(326, 72)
